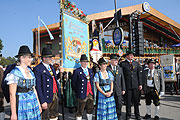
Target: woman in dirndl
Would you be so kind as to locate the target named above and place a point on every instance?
(106, 107)
(23, 96)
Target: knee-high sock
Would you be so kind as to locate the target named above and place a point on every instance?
(89, 116)
(78, 118)
(148, 108)
(156, 111)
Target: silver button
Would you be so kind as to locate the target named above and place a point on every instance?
(47, 79)
(47, 85)
(81, 91)
(47, 96)
(82, 84)
(83, 80)
(47, 90)
(82, 88)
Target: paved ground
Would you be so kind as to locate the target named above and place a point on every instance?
(169, 110)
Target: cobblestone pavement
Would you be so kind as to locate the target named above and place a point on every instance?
(169, 110)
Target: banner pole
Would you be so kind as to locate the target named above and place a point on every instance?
(60, 55)
(116, 12)
(39, 35)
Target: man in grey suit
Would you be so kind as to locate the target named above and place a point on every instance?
(153, 88)
(119, 83)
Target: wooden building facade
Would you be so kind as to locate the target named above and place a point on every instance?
(160, 32)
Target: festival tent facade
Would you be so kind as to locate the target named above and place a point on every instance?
(160, 32)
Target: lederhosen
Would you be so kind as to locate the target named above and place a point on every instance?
(85, 103)
(152, 93)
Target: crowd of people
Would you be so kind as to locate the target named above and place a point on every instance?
(114, 79)
(34, 93)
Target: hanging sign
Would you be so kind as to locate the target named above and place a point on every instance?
(146, 6)
(118, 36)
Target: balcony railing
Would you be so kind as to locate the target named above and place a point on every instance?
(147, 50)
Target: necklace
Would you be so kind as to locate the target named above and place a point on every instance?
(104, 74)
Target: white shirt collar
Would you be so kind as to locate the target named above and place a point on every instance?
(129, 60)
(46, 65)
(113, 67)
(84, 68)
(152, 71)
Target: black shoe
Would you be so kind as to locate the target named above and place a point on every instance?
(128, 117)
(52, 117)
(147, 116)
(70, 110)
(171, 93)
(156, 118)
(138, 118)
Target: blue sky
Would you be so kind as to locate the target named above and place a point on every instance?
(19, 17)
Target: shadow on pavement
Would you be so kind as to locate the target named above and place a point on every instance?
(175, 98)
(166, 119)
(175, 106)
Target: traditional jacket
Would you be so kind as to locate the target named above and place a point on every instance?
(79, 82)
(158, 81)
(44, 83)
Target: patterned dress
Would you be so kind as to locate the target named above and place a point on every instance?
(26, 102)
(106, 108)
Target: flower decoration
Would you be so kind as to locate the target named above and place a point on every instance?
(71, 8)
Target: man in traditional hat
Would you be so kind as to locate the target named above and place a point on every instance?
(119, 83)
(153, 88)
(132, 75)
(47, 86)
(82, 84)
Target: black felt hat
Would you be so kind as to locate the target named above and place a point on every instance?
(151, 61)
(146, 60)
(24, 50)
(129, 52)
(102, 61)
(84, 58)
(46, 52)
(113, 56)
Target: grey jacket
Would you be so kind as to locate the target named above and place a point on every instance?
(119, 83)
(158, 81)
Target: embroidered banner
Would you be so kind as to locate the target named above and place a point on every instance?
(75, 41)
(168, 68)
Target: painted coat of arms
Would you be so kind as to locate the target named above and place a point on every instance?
(74, 48)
